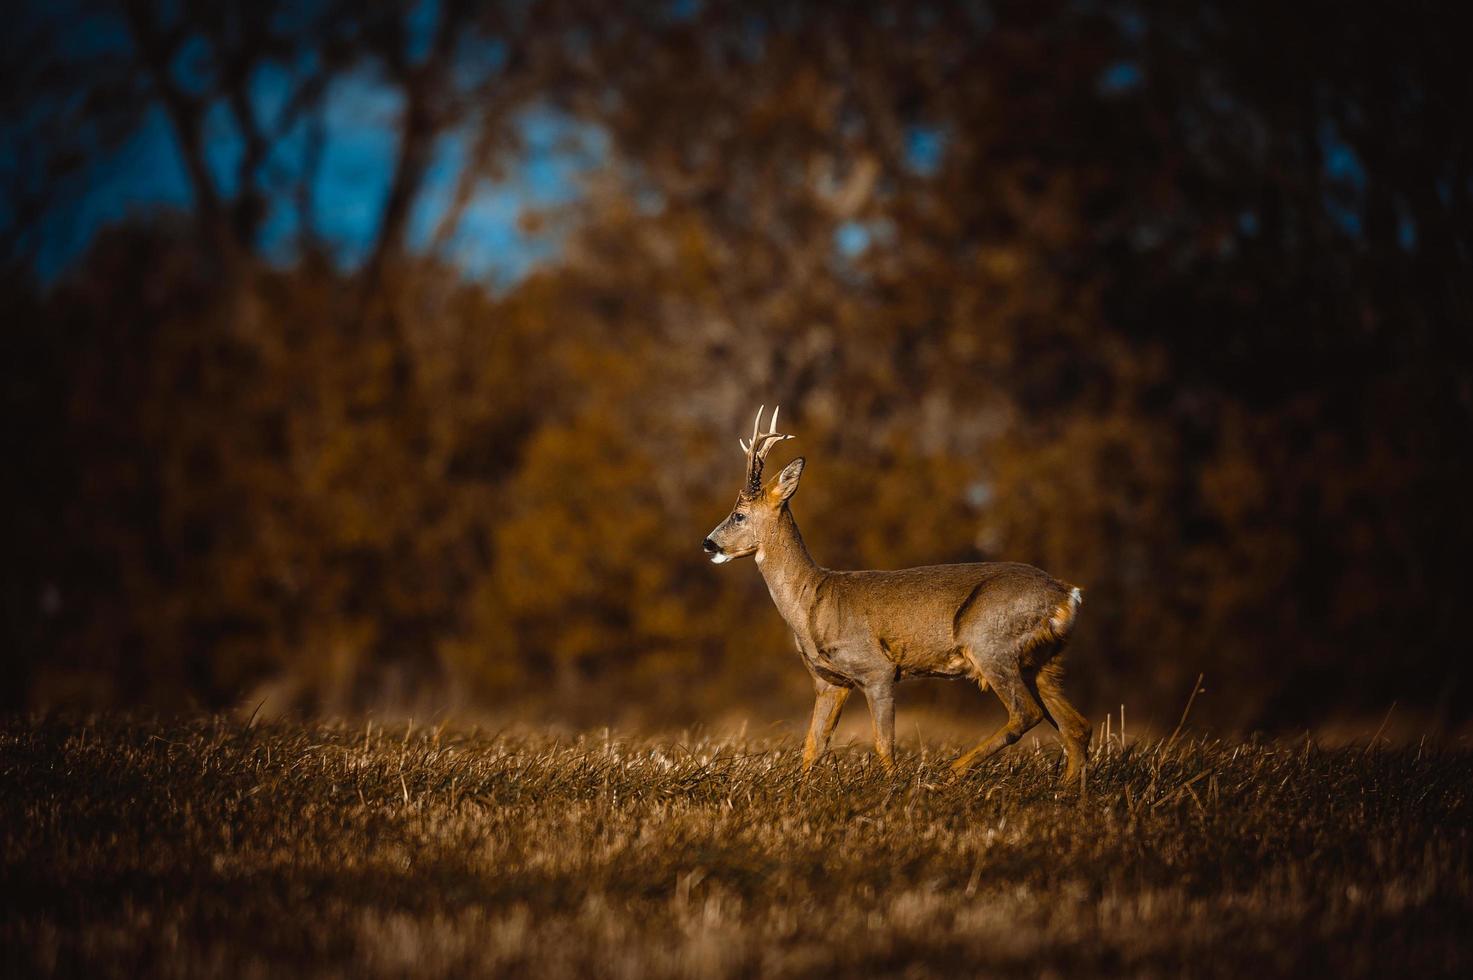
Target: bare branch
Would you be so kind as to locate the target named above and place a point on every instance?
(186, 115)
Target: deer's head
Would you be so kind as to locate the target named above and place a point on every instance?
(757, 507)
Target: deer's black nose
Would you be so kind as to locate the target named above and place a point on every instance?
(709, 545)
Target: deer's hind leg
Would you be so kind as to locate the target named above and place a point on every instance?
(1023, 707)
(1073, 729)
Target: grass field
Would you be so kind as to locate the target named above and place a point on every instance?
(206, 846)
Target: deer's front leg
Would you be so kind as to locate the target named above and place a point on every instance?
(881, 698)
(826, 707)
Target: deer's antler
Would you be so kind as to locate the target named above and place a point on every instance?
(758, 447)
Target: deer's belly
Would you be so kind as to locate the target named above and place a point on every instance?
(842, 665)
(858, 663)
(951, 669)
(924, 660)
(950, 666)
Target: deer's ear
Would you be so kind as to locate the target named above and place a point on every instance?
(786, 484)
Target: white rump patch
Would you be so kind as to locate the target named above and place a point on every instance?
(721, 558)
(1063, 618)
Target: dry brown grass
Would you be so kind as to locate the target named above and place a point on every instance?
(205, 846)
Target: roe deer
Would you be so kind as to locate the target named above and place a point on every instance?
(1000, 624)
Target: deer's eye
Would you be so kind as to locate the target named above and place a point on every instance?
(738, 516)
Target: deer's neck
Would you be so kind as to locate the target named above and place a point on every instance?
(791, 574)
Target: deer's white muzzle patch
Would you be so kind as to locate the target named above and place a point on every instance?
(720, 558)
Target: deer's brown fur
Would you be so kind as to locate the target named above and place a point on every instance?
(1000, 624)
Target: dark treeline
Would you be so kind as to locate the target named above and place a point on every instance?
(1172, 300)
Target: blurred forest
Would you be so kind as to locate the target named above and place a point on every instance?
(1170, 299)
